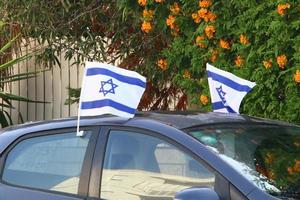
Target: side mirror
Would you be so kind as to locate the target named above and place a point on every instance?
(197, 194)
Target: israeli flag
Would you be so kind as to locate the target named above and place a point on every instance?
(107, 89)
(227, 90)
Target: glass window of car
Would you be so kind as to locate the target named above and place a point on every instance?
(50, 162)
(267, 155)
(139, 166)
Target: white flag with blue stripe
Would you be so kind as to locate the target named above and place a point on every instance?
(227, 90)
(108, 89)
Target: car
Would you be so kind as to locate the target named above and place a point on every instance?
(153, 156)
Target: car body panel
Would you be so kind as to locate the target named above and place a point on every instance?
(10, 193)
(168, 125)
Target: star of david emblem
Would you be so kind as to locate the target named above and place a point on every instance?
(222, 94)
(108, 87)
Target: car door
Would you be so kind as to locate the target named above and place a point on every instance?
(136, 164)
(48, 165)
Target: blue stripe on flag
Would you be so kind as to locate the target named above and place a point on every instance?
(106, 102)
(228, 82)
(122, 78)
(219, 105)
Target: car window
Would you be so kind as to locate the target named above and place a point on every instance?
(51, 162)
(267, 155)
(139, 166)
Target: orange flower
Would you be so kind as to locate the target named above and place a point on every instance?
(281, 61)
(146, 27)
(148, 14)
(196, 18)
(297, 166)
(224, 44)
(214, 56)
(175, 30)
(269, 158)
(142, 2)
(162, 64)
(239, 61)
(159, 1)
(210, 31)
(282, 7)
(200, 41)
(203, 99)
(290, 170)
(212, 17)
(271, 175)
(186, 74)
(175, 9)
(202, 13)
(268, 63)
(205, 3)
(244, 39)
(171, 21)
(297, 76)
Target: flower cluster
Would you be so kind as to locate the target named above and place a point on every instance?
(282, 7)
(162, 64)
(142, 2)
(148, 14)
(281, 61)
(244, 40)
(203, 99)
(210, 31)
(295, 168)
(175, 9)
(224, 44)
(214, 56)
(146, 27)
(297, 76)
(171, 23)
(267, 63)
(204, 13)
(269, 158)
(147, 18)
(186, 74)
(200, 41)
(205, 3)
(239, 61)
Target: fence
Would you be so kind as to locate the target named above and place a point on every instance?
(50, 86)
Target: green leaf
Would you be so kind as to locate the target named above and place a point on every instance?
(16, 79)
(13, 62)
(9, 96)
(3, 120)
(8, 44)
(8, 117)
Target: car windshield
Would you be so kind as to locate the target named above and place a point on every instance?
(268, 155)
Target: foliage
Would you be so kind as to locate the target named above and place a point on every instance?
(5, 77)
(256, 40)
(170, 42)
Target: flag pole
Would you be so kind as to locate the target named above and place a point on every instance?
(78, 132)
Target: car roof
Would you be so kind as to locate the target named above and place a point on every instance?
(178, 119)
(188, 119)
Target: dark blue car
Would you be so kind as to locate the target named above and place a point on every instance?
(154, 156)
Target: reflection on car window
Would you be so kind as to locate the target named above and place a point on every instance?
(51, 162)
(267, 155)
(139, 166)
